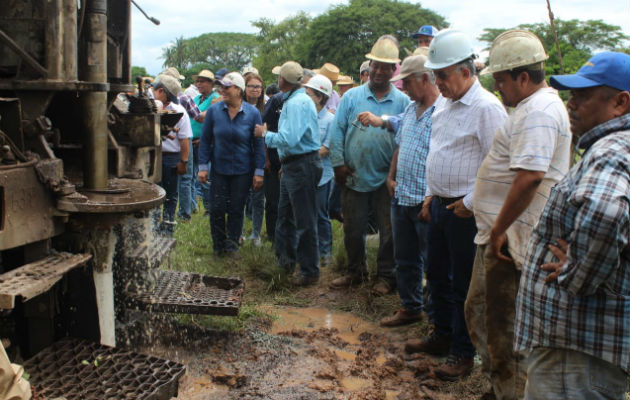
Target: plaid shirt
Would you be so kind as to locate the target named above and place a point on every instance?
(189, 105)
(413, 138)
(588, 308)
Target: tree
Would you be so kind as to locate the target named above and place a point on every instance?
(175, 55)
(346, 32)
(138, 71)
(277, 42)
(578, 41)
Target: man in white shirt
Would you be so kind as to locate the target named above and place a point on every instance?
(462, 135)
(529, 155)
(175, 148)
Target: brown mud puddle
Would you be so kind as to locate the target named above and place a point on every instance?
(306, 353)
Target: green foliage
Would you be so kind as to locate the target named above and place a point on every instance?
(138, 71)
(578, 40)
(346, 32)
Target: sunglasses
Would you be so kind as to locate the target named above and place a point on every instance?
(255, 87)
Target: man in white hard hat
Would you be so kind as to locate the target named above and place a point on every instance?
(529, 155)
(298, 143)
(361, 156)
(461, 138)
(364, 72)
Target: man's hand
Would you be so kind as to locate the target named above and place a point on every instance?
(497, 241)
(367, 118)
(257, 183)
(391, 186)
(196, 142)
(459, 209)
(425, 213)
(342, 173)
(181, 167)
(202, 176)
(324, 152)
(554, 268)
(260, 130)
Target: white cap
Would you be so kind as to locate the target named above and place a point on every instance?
(233, 79)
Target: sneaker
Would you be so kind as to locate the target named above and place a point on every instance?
(401, 317)
(454, 367)
(434, 344)
(303, 280)
(381, 287)
(347, 281)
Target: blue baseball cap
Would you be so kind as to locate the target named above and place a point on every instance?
(608, 68)
(426, 30)
(221, 73)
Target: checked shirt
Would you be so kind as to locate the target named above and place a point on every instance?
(588, 308)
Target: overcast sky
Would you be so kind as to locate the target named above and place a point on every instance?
(189, 18)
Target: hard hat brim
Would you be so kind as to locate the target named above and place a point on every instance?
(370, 56)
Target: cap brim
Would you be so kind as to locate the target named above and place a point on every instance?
(400, 76)
(568, 82)
(276, 70)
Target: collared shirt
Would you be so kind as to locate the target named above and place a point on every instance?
(187, 102)
(229, 144)
(203, 103)
(536, 137)
(297, 128)
(333, 101)
(588, 308)
(462, 136)
(324, 121)
(413, 138)
(367, 151)
(271, 116)
(184, 130)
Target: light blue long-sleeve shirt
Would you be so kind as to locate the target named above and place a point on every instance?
(298, 132)
(367, 151)
(325, 119)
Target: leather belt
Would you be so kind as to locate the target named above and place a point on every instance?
(445, 201)
(296, 157)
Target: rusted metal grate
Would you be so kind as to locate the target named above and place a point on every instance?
(77, 369)
(187, 293)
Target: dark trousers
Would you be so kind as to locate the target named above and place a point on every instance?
(296, 228)
(410, 236)
(451, 254)
(228, 194)
(356, 209)
(272, 194)
(169, 183)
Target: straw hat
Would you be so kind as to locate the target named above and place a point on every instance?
(384, 50)
(330, 71)
(345, 80)
(204, 73)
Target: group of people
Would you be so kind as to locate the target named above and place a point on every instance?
(525, 257)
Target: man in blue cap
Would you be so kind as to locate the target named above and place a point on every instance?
(425, 35)
(573, 305)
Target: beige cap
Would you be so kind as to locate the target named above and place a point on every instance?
(291, 72)
(171, 84)
(411, 65)
(345, 80)
(421, 51)
(276, 70)
(172, 71)
(330, 71)
(384, 50)
(204, 73)
(249, 70)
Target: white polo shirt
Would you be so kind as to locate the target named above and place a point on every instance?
(185, 131)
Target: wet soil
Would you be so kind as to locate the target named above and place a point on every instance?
(304, 353)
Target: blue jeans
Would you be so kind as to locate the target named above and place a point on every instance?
(229, 193)
(186, 187)
(296, 227)
(200, 189)
(569, 374)
(169, 183)
(256, 210)
(334, 206)
(324, 228)
(356, 209)
(272, 194)
(410, 235)
(451, 254)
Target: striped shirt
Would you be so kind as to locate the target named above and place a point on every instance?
(413, 137)
(588, 308)
(461, 138)
(536, 137)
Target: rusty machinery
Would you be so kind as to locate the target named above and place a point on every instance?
(77, 182)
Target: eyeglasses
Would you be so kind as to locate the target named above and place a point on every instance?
(359, 125)
(255, 87)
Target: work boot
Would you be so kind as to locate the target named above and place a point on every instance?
(401, 317)
(381, 287)
(303, 280)
(434, 344)
(454, 367)
(347, 281)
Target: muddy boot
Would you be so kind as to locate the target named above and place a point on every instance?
(303, 280)
(347, 281)
(434, 344)
(401, 317)
(454, 367)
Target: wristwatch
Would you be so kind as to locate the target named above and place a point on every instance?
(385, 119)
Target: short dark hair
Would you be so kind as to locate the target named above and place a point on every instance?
(536, 75)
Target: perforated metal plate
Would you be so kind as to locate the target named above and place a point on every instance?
(77, 369)
(187, 293)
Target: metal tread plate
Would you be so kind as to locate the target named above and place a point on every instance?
(37, 277)
(189, 293)
(160, 249)
(79, 369)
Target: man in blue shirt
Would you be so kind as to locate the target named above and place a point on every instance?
(298, 142)
(361, 156)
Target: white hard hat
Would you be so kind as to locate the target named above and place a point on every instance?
(449, 47)
(321, 84)
(513, 49)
